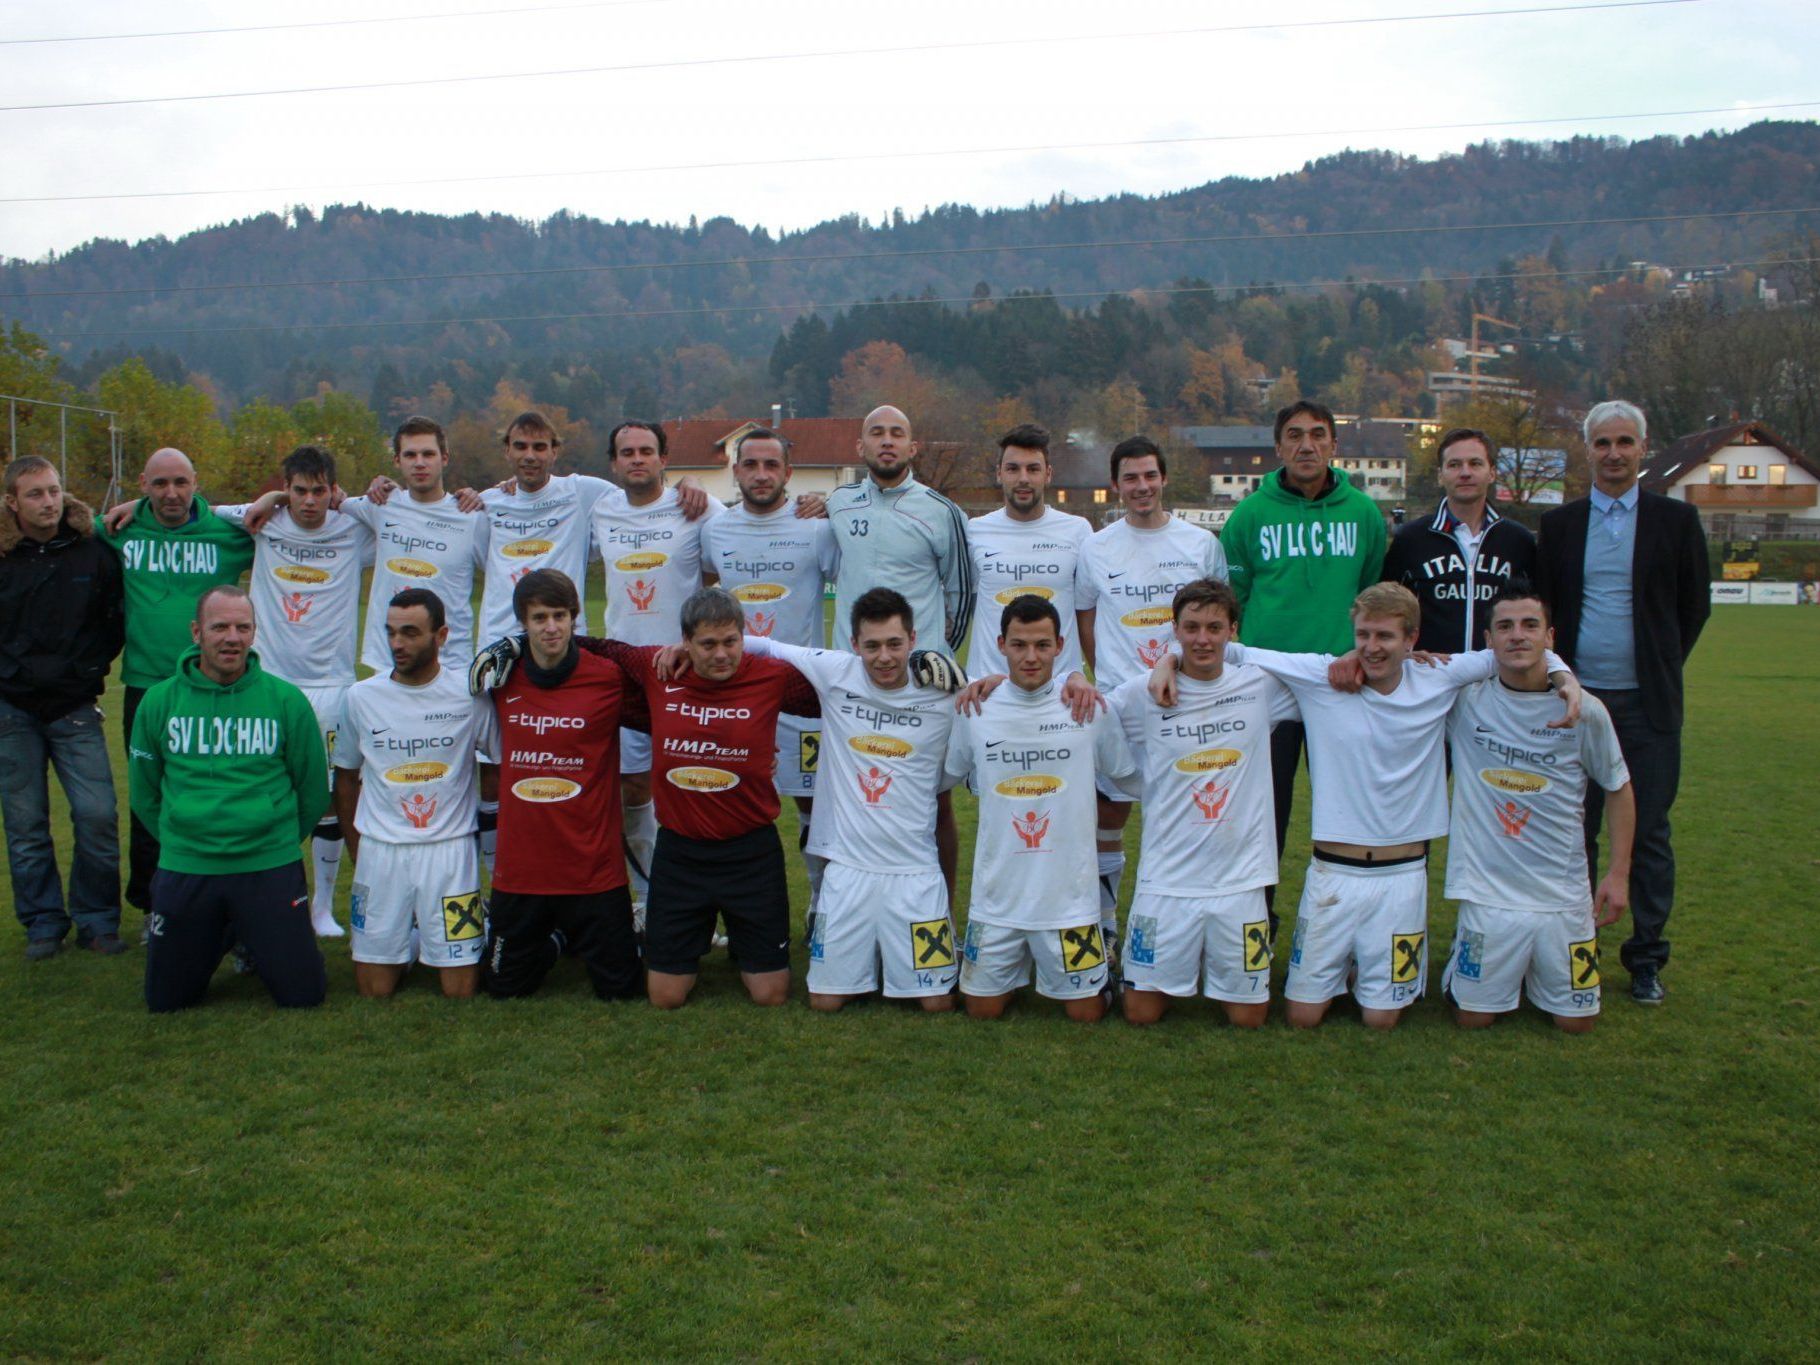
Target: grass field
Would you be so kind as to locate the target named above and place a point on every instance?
(556, 1177)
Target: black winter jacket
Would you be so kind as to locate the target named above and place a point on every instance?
(62, 621)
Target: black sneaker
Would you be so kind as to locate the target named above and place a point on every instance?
(42, 949)
(105, 944)
(1646, 986)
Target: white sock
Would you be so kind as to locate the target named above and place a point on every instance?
(641, 843)
(489, 832)
(1112, 873)
(326, 855)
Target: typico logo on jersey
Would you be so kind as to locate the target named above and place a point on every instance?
(1147, 618)
(1029, 785)
(1032, 826)
(1207, 760)
(1006, 596)
(642, 562)
(417, 772)
(1514, 780)
(761, 592)
(527, 549)
(702, 779)
(411, 568)
(296, 606)
(881, 746)
(545, 789)
(300, 573)
(418, 809)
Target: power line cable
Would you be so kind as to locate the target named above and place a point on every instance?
(326, 23)
(825, 160)
(1016, 296)
(899, 49)
(913, 254)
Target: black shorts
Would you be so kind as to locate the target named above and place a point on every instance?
(598, 925)
(740, 879)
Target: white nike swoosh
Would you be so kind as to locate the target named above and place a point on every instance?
(675, 689)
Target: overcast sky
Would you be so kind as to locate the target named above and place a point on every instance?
(1090, 73)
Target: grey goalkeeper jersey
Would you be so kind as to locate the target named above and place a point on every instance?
(909, 538)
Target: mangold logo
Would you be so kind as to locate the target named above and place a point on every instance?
(1029, 786)
(301, 573)
(417, 772)
(702, 779)
(642, 562)
(761, 592)
(1007, 596)
(1208, 761)
(1514, 780)
(527, 549)
(411, 568)
(881, 746)
(544, 789)
(1147, 618)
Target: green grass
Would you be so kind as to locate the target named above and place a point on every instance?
(555, 1177)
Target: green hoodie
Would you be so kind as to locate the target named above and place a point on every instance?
(1297, 563)
(166, 569)
(230, 778)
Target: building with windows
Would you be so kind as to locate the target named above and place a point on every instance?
(1745, 479)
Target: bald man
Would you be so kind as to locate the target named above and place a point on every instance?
(894, 532)
(172, 549)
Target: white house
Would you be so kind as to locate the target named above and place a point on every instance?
(1743, 477)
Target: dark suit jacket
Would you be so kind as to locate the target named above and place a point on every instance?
(1671, 585)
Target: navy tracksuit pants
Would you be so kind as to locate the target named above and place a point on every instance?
(194, 917)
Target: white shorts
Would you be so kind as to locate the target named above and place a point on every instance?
(634, 752)
(1374, 919)
(900, 918)
(799, 746)
(1552, 956)
(435, 886)
(326, 702)
(1173, 942)
(996, 960)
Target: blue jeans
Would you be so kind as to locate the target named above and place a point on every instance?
(74, 745)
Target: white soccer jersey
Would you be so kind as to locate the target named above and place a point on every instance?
(1519, 794)
(1209, 806)
(305, 587)
(1135, 576)
(1374, 761)
(430, 545)
(1046, 557)
(777, 564)
(880, 765)
(1034, 768)
(414, 748)
(653, 562)
(547, 529)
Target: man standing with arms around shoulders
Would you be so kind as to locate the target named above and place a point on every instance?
(1457, 560)
(1134, 567)
(60, 628)
(1301, 546)
(172, 549)
(227, 768)
(1515, 849)
(1626, 576)
(406, 789)
(894, 532)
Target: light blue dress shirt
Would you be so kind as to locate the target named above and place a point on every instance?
(1606, 653)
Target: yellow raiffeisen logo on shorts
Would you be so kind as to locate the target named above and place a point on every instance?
(761, 592)
(1029, 786)
(301, 573)
(1405, 957)
(545, 789)
(1208, 761)
(1514, 780)
(1256, 939)
(881, 746)
(1146, 618)
(1082, 949)
(1009, 595)
(1583, 964)
(932, 943)
(527, 549)
(642, 562)
(411, 568)
(417, 772)
(461, 917)
(702, 779)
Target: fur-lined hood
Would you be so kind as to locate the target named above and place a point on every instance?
(77, 515)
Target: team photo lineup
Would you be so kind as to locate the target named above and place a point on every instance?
(522, 780)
